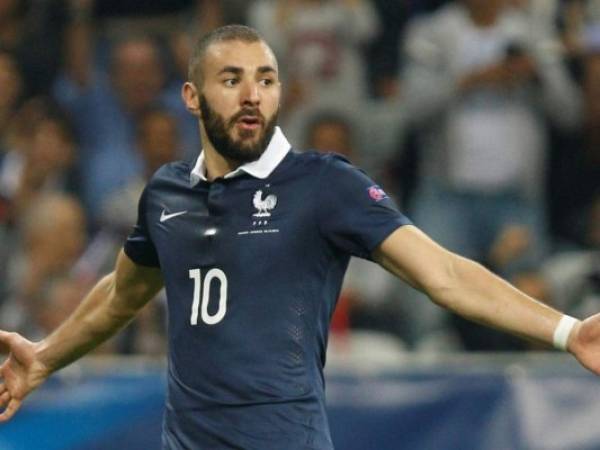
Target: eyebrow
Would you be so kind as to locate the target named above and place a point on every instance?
(266, 69)
(231, 69)
(238, 70)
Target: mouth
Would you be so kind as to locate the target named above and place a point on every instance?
(249, 122)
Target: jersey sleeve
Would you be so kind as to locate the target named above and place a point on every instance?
(139, 246)
(355, 214)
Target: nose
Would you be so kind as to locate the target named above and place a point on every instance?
(250, 94)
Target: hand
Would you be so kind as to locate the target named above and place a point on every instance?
(522, 69)
(492, 75)
(21, 373)
(584, 343)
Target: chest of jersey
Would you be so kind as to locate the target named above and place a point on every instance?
(237, 257)
(232, 223)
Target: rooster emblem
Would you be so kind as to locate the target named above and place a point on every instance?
(263, 205)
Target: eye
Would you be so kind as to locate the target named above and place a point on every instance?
(230, 82)
(266, 82)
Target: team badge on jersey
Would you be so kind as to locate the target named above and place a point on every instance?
(263, 205)
(261, 218)
(376, 193)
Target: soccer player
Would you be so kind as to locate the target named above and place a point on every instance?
(251, 243)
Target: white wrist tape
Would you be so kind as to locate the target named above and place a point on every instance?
(562, 332)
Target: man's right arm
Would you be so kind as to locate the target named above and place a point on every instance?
(110, 305)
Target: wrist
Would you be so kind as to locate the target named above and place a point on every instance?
(43, 366)
(565, 332)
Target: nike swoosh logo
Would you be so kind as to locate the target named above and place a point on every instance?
(164, 217)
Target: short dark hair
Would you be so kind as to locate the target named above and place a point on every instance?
(222, 34)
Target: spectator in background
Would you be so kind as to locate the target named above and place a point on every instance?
(40, 159)
(57, 299)
(368, 300)
(53, 237)
(508, 246)
(43, 159)
(480, 83)
(574, 275)
(331, 132)
(157, 143)
(33, 32)
(575, 172)
(319, 44)
(106, 109)
(383, 58)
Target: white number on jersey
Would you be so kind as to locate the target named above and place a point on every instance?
(203, 288)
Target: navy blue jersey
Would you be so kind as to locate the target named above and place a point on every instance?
(253, 267)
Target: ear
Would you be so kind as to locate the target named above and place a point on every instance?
(191, 99)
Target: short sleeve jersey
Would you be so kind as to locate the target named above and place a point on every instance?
(252, 269)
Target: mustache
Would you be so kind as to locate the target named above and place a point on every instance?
(249, 112)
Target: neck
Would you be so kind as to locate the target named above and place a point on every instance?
(216, 165)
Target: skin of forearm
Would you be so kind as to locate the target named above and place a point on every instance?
(477, 294)
(99, 316)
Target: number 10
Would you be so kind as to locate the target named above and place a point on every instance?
(210, 275)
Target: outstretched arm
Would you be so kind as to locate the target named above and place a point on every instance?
(109, 306)
(468, 289)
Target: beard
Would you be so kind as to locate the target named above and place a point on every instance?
(242, 150)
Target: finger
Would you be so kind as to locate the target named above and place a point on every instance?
(3, 388)
(11, 409)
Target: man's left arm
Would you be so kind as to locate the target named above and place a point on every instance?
(467, 288)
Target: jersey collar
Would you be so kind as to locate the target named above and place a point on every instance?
(261, 168)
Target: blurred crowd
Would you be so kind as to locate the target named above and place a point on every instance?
(480, 117)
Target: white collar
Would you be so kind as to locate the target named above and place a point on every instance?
(261, 168)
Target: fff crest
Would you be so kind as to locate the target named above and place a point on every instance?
(263, 205)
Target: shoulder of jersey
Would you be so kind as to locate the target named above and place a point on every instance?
(321, 158)
(173, 172)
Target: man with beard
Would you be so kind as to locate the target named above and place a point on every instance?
(251, 243)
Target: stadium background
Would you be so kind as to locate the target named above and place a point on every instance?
(480, 117)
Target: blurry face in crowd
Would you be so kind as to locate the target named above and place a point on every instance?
(181, 48)
(62, 299)
(331, 136)
(137, 73)
(52, 147)
(238, 98)
(158, 139)
(57, 236)
(10, 82)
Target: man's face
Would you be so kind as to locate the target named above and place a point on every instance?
(239, 98)
(137, 74)
(158, 140)
(331, 136)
